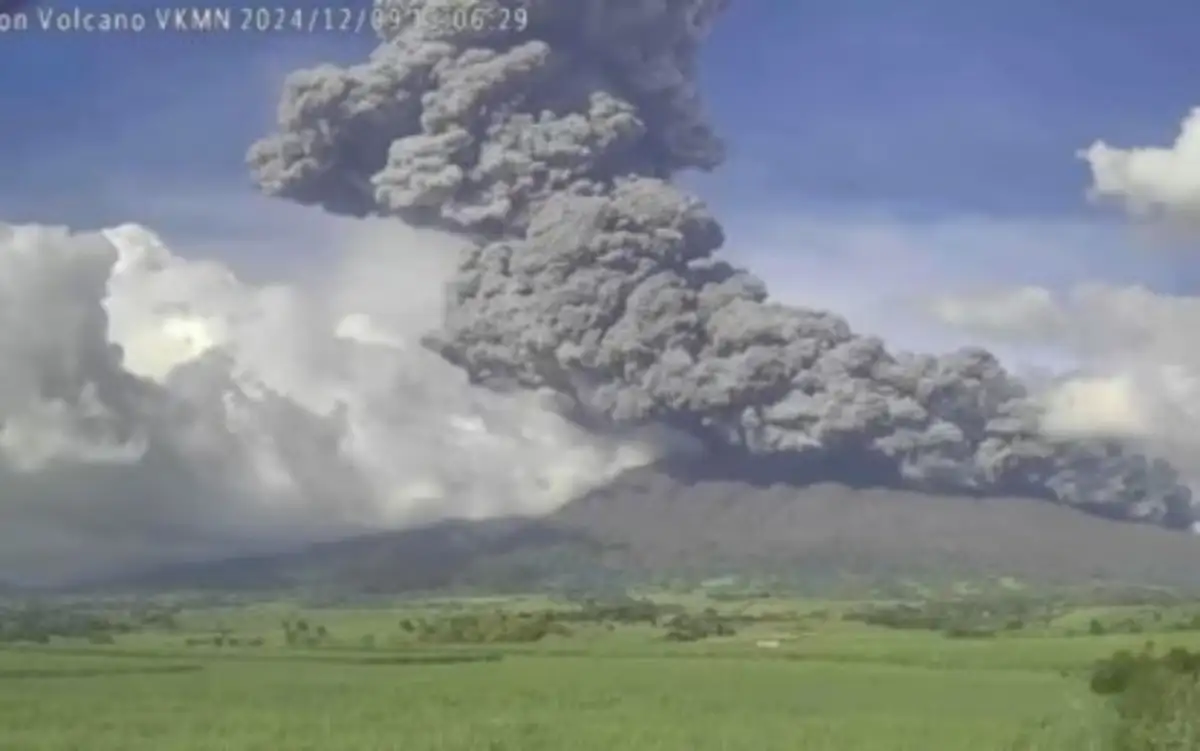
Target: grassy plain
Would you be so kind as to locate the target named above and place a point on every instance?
(795, 675)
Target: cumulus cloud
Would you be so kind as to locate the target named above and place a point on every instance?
(154, 407)
(1139, 371)
(1154, 182)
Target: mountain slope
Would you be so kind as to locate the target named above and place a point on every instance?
(670, 522)
(667, 523)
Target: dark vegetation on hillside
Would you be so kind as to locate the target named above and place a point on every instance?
(39, 622)
(670, 524)
(989, 616)
(963, 618)
(102, 620)
(99, 622)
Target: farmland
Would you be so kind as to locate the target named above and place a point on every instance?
(647, 672)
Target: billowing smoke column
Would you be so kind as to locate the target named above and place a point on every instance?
(551, 148)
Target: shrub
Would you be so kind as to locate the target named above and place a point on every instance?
(1155, 699)
(687, 627)
(497, 627)
(970, 632)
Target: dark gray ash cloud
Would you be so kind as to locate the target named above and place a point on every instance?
(590, 274)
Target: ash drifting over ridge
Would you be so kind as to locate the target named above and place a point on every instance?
(551, 148)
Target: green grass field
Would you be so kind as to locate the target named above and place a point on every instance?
(772, 686)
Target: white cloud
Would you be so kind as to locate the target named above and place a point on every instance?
(1096, 405)
(1139, 374)
(239, 416)
(1136, 371)
(1151, 181)
(881, 272)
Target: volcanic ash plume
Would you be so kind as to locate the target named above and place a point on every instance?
(551, 149)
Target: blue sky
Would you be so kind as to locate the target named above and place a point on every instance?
(878, 148)
(935, 106)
